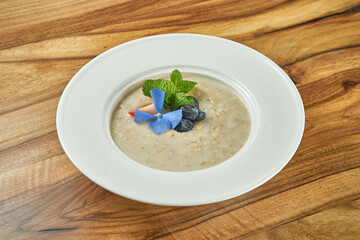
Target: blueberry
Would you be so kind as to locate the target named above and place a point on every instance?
(184, 125)
(196, 103)
(189, 112)
(200, 116)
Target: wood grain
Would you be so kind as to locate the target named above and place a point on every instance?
(44, 43)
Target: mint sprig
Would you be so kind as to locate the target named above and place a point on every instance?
(175, 90)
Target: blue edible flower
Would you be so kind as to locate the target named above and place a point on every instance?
(163, 122)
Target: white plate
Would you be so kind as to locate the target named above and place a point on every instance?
(88, 100)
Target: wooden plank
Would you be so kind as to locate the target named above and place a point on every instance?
(28, 123)
(34, 82)
(288, 46)
(338, 222)
(81, 202)
(239, 29)
(62, 22)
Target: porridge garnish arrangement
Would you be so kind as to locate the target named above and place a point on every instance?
(171, 95)
(189, 125)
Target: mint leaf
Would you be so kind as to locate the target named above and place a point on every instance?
(176, 77)
(181, 99)
(181, 85)
(161, 84)
(185, 86)
(175, 90)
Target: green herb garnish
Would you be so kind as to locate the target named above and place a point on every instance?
(175, 90)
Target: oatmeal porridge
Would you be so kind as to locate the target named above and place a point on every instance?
(218, 137)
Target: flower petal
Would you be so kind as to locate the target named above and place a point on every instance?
(158, 97)
(160, 125)
(174, 117)
(140, 116)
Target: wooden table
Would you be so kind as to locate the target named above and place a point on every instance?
(44, 43)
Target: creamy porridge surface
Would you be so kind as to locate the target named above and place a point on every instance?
(218, 137)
